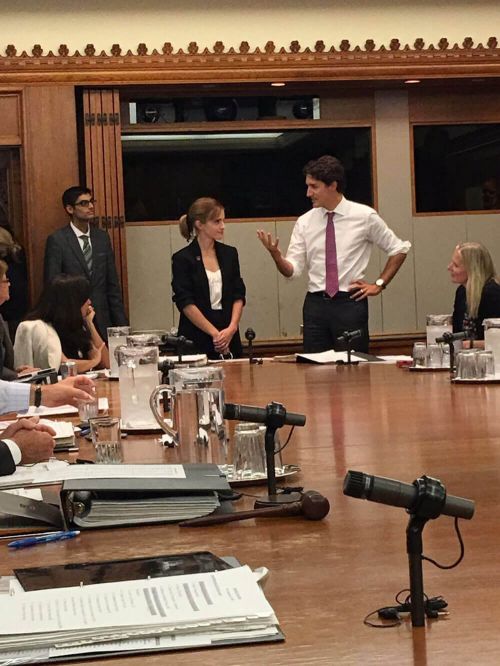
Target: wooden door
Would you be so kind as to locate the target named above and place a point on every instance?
(104, 171)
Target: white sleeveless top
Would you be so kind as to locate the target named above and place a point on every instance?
(215, 286)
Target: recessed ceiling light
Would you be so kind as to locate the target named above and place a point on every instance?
(412, 81)
(278, 84)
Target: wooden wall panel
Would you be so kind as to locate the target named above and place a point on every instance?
(453, 107)
(104, 170)
(50, 166)
(10, 119)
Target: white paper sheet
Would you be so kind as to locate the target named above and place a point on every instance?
(56, 471)
(330, 356)
(223, 601)
(62, 410)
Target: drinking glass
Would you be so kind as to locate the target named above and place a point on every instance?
(419, 354)
(434, 355)
(466, 364)
(485, 364)
(249, 453)
(106, 438)
(88, 410)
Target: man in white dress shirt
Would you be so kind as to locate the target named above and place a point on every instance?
(27, 440)
(334, 241)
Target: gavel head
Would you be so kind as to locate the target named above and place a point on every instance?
(314, 505)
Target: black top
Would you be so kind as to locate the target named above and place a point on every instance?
(63, 254)
(15, 308)
(489, 307)
(190, 287)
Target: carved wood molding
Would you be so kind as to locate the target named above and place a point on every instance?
(240, 65)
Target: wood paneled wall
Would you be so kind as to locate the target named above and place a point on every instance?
(50, 156)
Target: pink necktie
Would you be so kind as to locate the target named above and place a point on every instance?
(332, 271)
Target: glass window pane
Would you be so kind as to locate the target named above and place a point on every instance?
(457, 167)
(255, 174)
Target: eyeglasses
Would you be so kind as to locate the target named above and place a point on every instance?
(85, 203)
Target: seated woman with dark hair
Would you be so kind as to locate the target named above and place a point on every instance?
(61, 328)
(478, 294)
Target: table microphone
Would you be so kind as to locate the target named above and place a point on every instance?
(312, 506)
(405, 495)
(177, 341)
(449, 337)
(235, 412)
(347, 336)
(250, 336)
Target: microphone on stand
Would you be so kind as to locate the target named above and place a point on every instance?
(274, 416)
(179, 342)
(347, 336)
(261, 414)
(176, 340)
(250, 336)
(450, 337)
(410, 496)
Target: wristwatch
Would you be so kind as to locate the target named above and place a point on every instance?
(36, 395)
(380, 282)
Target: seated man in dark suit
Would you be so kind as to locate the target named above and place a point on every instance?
(25, 441)
(81, 248)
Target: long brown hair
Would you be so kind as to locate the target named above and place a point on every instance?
(202, 210)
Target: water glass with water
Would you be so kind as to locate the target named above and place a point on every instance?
(88, 409)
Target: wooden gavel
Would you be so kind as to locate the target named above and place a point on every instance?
(312, 506)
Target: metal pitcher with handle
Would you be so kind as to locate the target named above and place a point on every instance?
(193, 413)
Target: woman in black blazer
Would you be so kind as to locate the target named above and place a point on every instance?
(206, 282)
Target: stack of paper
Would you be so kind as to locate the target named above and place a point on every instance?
(109, 513)
(161, 613)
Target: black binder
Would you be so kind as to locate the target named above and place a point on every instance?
(81, 497)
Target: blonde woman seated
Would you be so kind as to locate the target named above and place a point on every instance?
(61, 328)
(478, 294)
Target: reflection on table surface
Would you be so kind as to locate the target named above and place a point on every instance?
(326, 576)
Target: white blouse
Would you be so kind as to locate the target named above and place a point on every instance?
(215, 286)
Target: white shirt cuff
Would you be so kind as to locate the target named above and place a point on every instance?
(14, 450)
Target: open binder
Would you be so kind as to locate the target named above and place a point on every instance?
(111, 502)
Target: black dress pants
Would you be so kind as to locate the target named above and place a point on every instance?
(326, 319)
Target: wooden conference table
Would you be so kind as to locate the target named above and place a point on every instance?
(326, 576)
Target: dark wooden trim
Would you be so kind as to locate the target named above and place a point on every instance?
(272, 63)
(383, 343)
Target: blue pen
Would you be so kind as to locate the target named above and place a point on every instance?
(34, 541)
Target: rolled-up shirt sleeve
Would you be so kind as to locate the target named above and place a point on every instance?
(296, 253)
(384, 238)
(14, 397)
